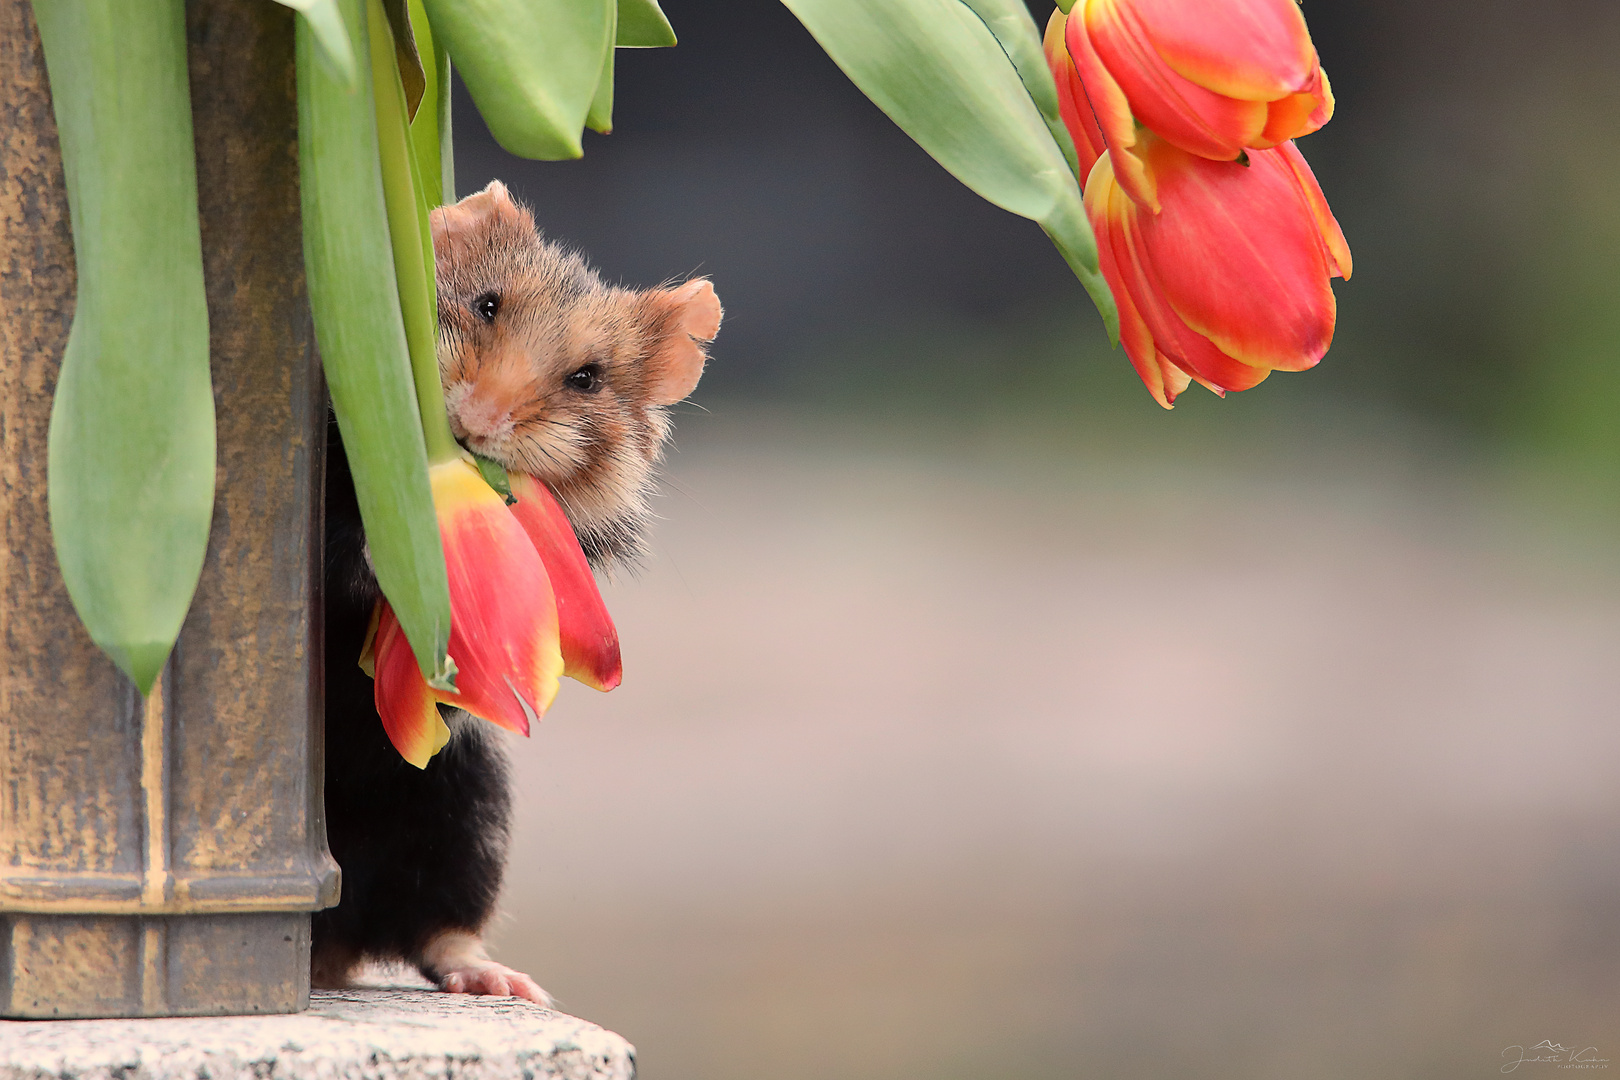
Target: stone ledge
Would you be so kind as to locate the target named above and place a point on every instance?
(371, 1034)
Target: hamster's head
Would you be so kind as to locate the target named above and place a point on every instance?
(551, 371)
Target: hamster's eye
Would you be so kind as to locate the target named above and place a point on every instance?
(487, 305)
(587, 379)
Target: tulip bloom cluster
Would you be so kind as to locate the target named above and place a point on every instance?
(525, 610)
(1212, 231)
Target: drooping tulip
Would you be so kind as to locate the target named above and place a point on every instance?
(1230, 279)
(503, 633)
(1216, 80)
(478, 552)
(590, 643)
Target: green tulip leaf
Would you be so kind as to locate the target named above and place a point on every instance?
(430, 127)
(412, 73)
(600, 118)
(412, 240)
(531, 66)
(494, 474)
(642, 25)
(326, 22)
(1020, 39)
(354, 296)
(939, 73)
(130, 458)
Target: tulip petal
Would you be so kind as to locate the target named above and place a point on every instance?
(590, 644)
(1258, 50)
(1324, 108)
(1072, 104)
(1119, 223)
(503, 631)
(1158, 373)
(1109, 108)
(410, 715)
(1195, 118)
(1241, 259)
(1333, 242)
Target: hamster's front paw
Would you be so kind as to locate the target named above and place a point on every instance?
(456, 960)
(488, 977)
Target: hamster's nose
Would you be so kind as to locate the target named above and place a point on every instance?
(478, 417)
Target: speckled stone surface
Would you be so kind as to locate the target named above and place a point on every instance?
(373, 1034)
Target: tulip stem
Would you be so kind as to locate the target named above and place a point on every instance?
(411, 238)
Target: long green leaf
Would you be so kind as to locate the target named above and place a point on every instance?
(131, 447)
(532, 66)
(936, 69)
(642, 25)
(1020, 39)
(327, 23)
(412, 241)
(348, 257)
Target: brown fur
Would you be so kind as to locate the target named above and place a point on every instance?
(506, 379)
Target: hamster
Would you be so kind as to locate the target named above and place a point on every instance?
(550, 371)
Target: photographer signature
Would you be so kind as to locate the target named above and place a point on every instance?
(1546, 1050)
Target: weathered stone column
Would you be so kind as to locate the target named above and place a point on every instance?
(162, 857)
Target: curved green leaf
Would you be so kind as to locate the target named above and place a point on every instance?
(430, 127)
(412, 70)
(412, 240)
(353, 294)
(936, 69)
(131, 447)
(642, 25)
(532, 66)
(327, 24)
(600, 118)
(1020, 39)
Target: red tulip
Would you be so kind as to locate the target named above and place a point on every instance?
(503, 631)
(590, 644)
(1214, 78)
(1230, 279)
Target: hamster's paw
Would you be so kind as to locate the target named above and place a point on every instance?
(495, 979)
(456, 960)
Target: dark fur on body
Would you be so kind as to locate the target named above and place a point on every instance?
(547, 370)
(421, 849)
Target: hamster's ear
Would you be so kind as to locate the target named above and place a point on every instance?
(493, 205)
(692, 313)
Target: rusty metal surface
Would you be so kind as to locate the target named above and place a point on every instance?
(179, 840)
(244, 826)
(62, 966)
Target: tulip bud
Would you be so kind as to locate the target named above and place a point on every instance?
(1230, 279)
(1213, 79)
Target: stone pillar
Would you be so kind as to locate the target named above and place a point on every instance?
(161, 857)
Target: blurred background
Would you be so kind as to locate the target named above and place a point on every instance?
(981, 719)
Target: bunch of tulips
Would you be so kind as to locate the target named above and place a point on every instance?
(1212, 231)
(1160, 128)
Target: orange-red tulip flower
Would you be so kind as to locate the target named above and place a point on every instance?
(1214, 78)
(590, 644)
(1230, 279)
(503, 632)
